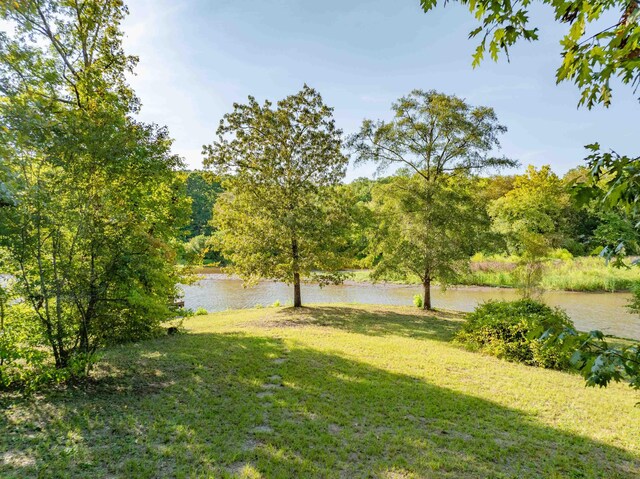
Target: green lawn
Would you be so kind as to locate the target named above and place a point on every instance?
(329, 391)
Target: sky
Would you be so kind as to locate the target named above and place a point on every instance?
(198, 57)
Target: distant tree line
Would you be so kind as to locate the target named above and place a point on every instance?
(401, 225)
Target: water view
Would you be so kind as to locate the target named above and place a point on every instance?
(604, 311)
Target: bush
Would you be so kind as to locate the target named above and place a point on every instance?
(418, 301)
(276, 304)
(201, 312)
(511, 330)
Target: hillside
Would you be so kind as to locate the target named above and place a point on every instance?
(329, 391)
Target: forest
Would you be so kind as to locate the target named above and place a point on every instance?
(108, 368)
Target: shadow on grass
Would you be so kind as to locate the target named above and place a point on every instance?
(228, 405)
(435, 325)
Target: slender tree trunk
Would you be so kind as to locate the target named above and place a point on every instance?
(426, 304)
(297, 298)
(1, 332)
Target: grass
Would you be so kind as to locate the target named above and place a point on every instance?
(328, 391)
(576, 274)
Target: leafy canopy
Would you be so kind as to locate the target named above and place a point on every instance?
(432, 134)
(278, 217)
(531, 216)
(91, 201)
(596, 49)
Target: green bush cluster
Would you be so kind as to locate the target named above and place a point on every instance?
(418, 302)
(511, 330)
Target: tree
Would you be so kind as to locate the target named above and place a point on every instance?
(532, 218)
(203, 191)
(278, 218)
(532, 214)
(438, 138)
(95, 205)
(424, 229)
(590, 60)
(432, 134)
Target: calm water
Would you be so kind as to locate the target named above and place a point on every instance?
(603, 311)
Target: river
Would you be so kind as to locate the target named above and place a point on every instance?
(603, 311)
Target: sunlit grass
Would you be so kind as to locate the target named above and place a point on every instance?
(329, 391)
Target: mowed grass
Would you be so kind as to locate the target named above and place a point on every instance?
(328, 391)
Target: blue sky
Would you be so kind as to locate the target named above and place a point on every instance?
(197, 57)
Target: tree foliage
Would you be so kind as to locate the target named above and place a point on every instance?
(94, 204)
(595, 49)
(613, 183)
(435, 139)
(426, 230)
(279, 217)
(432, 134)
(532, 217)
(203, 190)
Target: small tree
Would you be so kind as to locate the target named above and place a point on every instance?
(279, 218)
(531, 217)
(90, 204)
(437, 138)
(203, 191)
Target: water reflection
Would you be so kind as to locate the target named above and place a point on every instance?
(604, 311)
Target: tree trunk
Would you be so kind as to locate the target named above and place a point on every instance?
(426, 304)
(297, 298)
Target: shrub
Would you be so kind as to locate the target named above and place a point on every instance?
(276, 304)
(511, 330)
(418, 301)
(201, 312)
(561, 254)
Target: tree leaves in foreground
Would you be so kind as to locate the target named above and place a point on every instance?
(437, 139)
(92, 204)
(614, 182)
(280, 217)
(601, 44)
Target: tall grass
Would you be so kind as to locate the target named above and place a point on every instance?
(575, 274)
(561, 273)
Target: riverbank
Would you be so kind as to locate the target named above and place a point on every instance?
(328, 391)
(583, 274)
(606, 312)
(586, 274)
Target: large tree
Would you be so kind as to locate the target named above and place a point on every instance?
(278, 217)
(437, 138)
(602, 42)
(94, 204)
